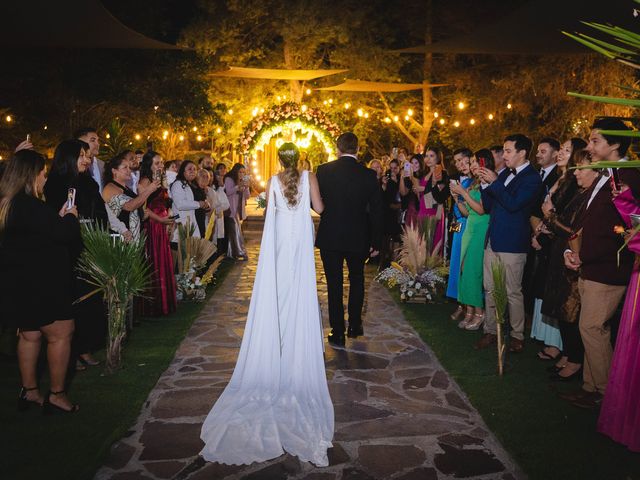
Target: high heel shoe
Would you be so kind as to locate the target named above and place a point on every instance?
(23, 402)
(457, 314)
(478, 320)
(556, 377)
(50, 408)
(88, 363)
(465, 321)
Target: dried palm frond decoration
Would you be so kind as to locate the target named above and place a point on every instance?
(499, 294)
(192, 249)
(412, 255)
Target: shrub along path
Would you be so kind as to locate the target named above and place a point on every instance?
(398, 413)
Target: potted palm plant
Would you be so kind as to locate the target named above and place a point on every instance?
(118, 270)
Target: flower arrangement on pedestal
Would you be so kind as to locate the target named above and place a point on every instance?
(193, 255)
(420, 276)
(293, 117)
(261, 200)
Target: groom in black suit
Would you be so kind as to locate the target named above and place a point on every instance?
(350, 228)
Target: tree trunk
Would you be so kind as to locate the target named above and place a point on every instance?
(427, 115)
(295, 86)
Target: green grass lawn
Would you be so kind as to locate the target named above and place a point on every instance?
(75, 446)
(548, 437)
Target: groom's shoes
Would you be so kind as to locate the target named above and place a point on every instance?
(336, 340)
(355, 332)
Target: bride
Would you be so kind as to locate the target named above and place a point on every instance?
(277, 399)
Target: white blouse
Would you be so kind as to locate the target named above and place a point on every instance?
(184, 206)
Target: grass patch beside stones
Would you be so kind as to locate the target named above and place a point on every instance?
(75, 446)
(547, 437)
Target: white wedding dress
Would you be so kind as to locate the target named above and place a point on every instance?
(277, 399)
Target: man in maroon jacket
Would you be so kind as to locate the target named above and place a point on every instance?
(602, 280)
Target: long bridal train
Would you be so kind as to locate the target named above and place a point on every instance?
(277, 400)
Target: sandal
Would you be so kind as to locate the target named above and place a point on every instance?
(465, 321)
(458, 313)
(542, 355)
(478, 320)
(23, 402)
(50, 408)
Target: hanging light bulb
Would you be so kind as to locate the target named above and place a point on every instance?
(347, 106)
(308, 92)
(218, 130)
(410, 112)
(262, 184)
(472, 121)
(108, 136)
(435, 114)
(490, 116)
(360, 112)
(304, 108)
(387, 120)
(9, 118)
(396, 118)
(254, 163)
(442, 121)
(199, 138)
(230, 111)
(406, 117)
(366, 114)
(181, 137)
(138, 136)
(456, 123)
(461, 105)
(195, 129)
(509, 106)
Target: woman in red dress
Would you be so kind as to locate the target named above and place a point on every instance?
(162, 293)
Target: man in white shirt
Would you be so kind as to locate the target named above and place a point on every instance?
(90, 136)
(134, 165)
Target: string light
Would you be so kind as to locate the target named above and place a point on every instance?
(138, 136)
(406, 117)
(199, 138)
(347, 106)
(325, 102)
(387, 120)
(472, 121)
(254, 163)
(181, 137)
(330, 101)
(258, 177)
(255, 171)
(304, 108)
(308, 91)
(396, 118)
(218, 130)
(239, 122)
(254, 112)
(262, 184)
(435, 114)
(410, 112)
(279, 98)
(9, 119)
(509, 106)
(108, 135)
(195, 129)
(360, 112)
(461, 105)
(46, 127)
(230, 111)
(490, 117)
(261, 109)
(0, 157)
(456, 124)
(156, 107)
(165, 133)
(279, 143)
(442, 121)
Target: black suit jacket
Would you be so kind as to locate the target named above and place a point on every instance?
(547, 183)
(352, 216)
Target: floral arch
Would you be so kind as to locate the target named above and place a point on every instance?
(298, 121)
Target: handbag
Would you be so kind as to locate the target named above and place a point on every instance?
(455, 227)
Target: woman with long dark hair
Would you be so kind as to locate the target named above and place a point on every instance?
(70, 169)
(184, 202)
(123, 203)
(236, 186)
(161, 298)
(37, 280)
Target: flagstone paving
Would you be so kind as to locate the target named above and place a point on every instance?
(398, 413)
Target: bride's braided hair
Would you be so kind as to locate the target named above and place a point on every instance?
(290, 176)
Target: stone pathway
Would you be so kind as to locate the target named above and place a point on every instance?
(398, 413)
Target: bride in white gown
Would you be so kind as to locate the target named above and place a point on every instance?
(277, 399)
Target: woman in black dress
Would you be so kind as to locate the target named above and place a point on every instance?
(391, 211)
(36, 280)
(70, 169)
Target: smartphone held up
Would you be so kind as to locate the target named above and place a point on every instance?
(71, 198)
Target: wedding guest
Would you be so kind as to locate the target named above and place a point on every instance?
(122, 203)
(391, 205)
(498, 152)
(219, 202)
(434, 193)
(413, 172)
(236, 186)
(603, 279)
(161, 297)
(376, 166)
(560, 195)
(171, 172)
(206, 163)
(469, 202)
(220, 233)
(305, 164)
(134, 163)
(536, 268)
(561, 299)
(90, 135)
(221, 171)
(509, 198)
(34, 252)
(200, 186)
(620, 412)
(184, 203)
(70, 169)
(462, 159)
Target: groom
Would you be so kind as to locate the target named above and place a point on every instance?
(350, 228)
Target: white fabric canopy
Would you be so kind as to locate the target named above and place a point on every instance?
(364, 86)
(274, 73)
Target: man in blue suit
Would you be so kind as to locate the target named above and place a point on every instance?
(509, 198)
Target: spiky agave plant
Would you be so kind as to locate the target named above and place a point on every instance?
(119, 270)
(499, 294)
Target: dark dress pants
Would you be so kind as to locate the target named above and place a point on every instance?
(333, 263)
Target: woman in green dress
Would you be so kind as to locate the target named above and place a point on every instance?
(470, 290)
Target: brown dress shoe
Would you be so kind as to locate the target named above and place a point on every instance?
(516, 345)
(590, 402)
(574, 395)
(486, 340)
